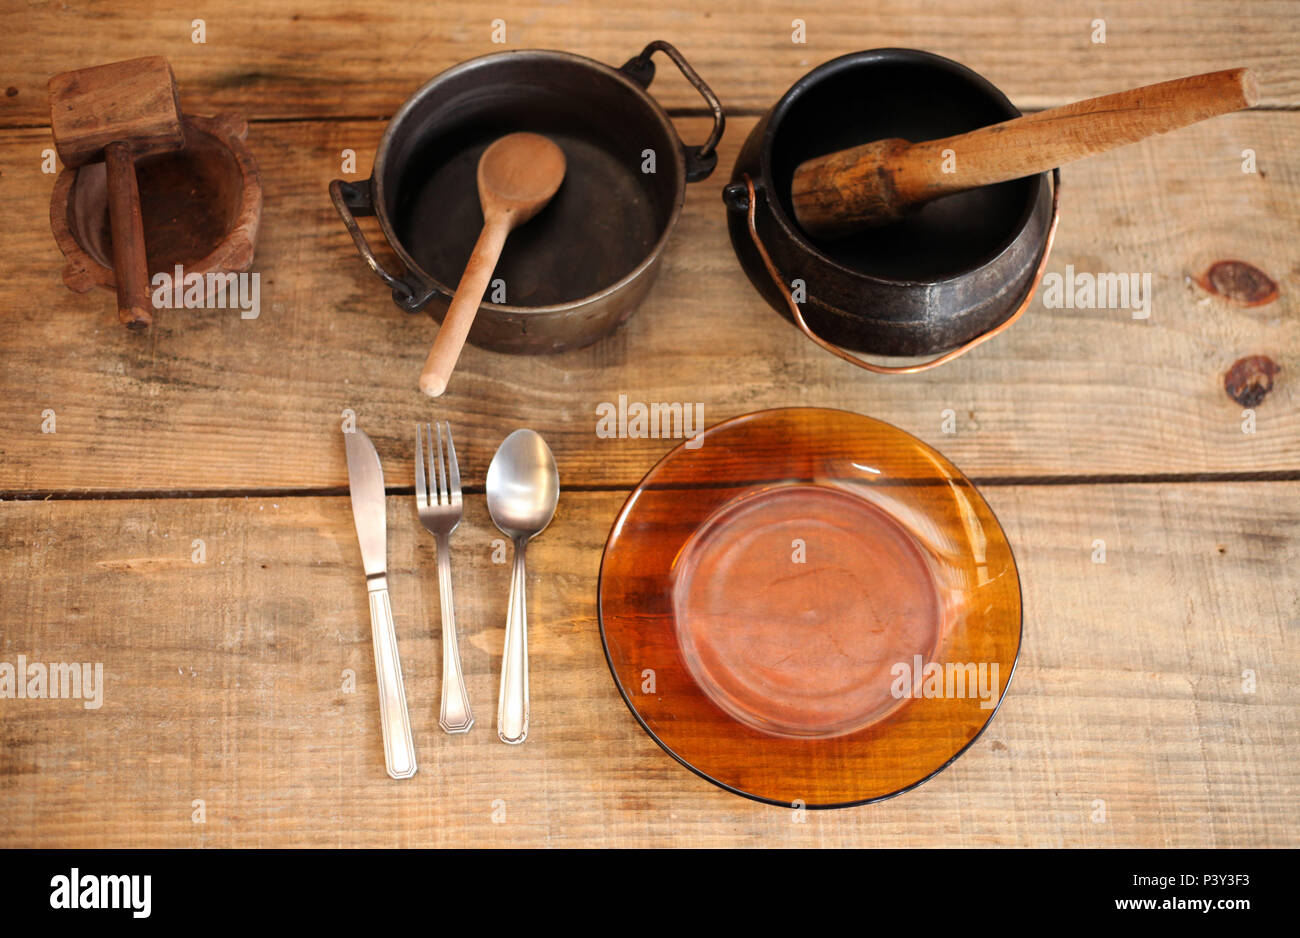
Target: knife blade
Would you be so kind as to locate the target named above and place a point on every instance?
(366, 484)
(369, 513)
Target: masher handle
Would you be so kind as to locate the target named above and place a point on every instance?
(1040, 142)
(878, 182)
(130, 264)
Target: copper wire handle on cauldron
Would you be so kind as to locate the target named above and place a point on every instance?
(920, 366)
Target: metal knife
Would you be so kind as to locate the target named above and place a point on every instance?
(366, 482)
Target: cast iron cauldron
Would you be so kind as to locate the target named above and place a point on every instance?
(939, 281)
(577, 270)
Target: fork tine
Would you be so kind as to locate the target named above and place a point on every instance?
(430, 461)
(453, 468)
(444, 495)
(421, 490)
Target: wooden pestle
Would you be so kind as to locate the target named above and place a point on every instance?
(879, 182)
(119, 113)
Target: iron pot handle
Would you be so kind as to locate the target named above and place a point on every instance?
(741, 197)
(701, 160)
(357, 199)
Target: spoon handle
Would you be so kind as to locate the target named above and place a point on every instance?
(464, 306)
(512, 707)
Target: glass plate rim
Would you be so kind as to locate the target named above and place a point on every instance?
(875, 799)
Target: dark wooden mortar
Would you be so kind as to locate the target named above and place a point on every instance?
(201, 205)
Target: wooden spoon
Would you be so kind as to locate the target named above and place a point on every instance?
(517, 176)
(879, 182)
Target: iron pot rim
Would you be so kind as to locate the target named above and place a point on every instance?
(850, 60)
(487, 61)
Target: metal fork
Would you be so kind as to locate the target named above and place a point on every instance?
(438, 501)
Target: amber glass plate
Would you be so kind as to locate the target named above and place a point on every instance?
(809, 607)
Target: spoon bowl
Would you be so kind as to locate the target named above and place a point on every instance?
(519, 174)
(523, 488)
(523, 485)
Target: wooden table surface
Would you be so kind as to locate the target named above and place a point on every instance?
(1157, 695)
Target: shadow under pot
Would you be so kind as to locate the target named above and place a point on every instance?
(935, 283)
(578, 269)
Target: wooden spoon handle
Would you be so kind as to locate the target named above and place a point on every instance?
(878, 182)
(130, 265)
(464, 306)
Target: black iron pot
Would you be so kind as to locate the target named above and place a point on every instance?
(577, 270)
(939, 281)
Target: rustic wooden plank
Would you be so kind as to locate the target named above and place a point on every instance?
(333, 58)
(209, 401)
(223, 682)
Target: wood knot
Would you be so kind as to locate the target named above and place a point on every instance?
(1239, 282)
(1250, 379)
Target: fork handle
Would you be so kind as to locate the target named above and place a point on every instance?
(399, 749)
(455, 716)
(512, 707)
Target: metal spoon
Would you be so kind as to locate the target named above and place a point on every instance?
(523, 487)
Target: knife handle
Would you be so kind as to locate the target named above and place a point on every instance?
(399, 750)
